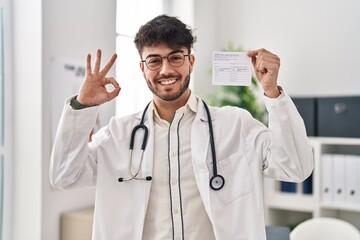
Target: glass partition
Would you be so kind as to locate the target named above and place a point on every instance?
(130, 15)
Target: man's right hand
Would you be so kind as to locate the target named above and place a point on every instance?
(93, 90)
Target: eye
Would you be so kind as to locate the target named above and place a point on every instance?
(176, 57)
(153, 60)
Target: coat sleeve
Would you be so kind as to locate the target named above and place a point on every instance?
(73, 157)
(285, 148)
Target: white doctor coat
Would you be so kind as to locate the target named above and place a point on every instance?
(246, 152)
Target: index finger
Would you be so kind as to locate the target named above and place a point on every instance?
(109, 64)
(88, 64)
(253, 54)
(257, 51)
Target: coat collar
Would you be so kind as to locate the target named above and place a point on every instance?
(194, 102)
(202, 112)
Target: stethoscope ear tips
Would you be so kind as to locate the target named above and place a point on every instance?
(148, 178)
(217, 182)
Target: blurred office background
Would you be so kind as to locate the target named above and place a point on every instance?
(318, 42)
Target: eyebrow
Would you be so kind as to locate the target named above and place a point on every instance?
(158, 55)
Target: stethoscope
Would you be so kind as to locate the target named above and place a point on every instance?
(216, 182)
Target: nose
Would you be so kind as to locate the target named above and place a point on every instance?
(166, 67)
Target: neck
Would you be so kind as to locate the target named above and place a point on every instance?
(167, 109)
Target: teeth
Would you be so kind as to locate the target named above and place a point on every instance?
(168, 82)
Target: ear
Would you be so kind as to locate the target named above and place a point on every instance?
(141, 65)
(192, 61)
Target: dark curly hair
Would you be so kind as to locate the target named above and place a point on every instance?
(166, 30)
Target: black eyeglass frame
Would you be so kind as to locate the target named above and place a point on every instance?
(162, 58)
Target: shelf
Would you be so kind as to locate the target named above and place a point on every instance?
(335, 141)
(289, 201)
(284, 207)
(341, 207)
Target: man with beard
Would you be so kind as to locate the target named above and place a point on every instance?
(193, 171)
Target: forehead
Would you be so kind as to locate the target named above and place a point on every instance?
(162, 50)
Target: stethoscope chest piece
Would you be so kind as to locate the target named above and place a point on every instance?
(217, 182)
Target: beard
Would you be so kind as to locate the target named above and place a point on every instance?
(167, 97)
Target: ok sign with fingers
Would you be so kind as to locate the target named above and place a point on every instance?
(93, 89)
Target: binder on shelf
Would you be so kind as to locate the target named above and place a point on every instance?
(308, 185)
(352, 179)
(327, 191)
(288, 187)
(339, 177)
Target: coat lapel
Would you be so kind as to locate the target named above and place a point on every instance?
(200, 150)
(147, 168)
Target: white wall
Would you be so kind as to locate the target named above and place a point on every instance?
(43, 30)
(206, 26)
(71, 29)
(318, 41)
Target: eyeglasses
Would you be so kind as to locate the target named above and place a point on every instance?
(154, 62)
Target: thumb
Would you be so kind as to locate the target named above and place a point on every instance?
(115, 92)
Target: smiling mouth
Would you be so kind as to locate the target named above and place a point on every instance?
(168, 81)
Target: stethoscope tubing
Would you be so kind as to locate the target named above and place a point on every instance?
(140, 126)
(216, 182)
(212, 142)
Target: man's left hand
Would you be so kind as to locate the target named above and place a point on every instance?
(266, 66)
